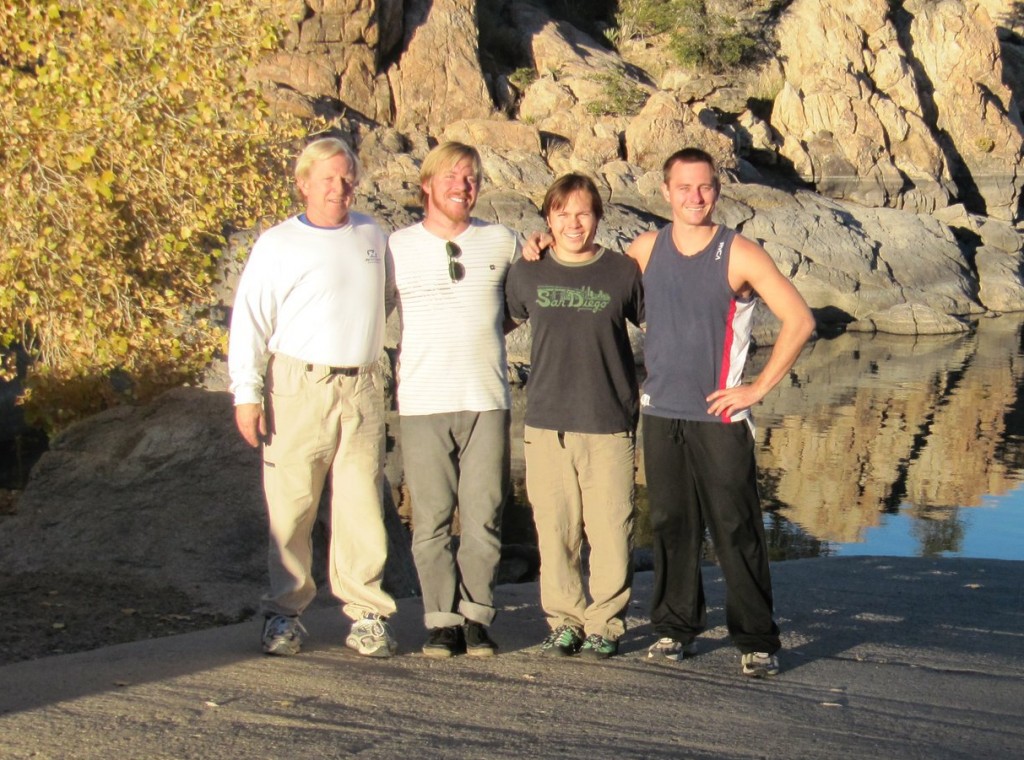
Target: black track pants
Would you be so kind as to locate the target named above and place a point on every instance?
(702, 474)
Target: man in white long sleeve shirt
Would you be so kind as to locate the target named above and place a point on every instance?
(307, 329)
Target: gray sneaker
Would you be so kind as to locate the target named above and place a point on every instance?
(371, 636)
(760, 664)
(283, 635)
(667, 648)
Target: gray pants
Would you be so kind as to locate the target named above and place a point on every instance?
(457, 459)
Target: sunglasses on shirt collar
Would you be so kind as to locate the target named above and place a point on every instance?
(455, 268)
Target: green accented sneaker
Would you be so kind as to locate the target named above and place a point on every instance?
(597, 647)
(760, 664)
(564, 641)
(667, 648)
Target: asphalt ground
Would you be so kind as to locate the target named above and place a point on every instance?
(884, 658)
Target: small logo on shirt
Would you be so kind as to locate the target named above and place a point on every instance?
(581, 299)
(372, 257)
(718, 253)
(645, 400)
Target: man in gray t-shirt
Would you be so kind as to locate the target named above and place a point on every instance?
(581, 414)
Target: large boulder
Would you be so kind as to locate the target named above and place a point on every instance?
(849, 261)
(438, 78)
(665, 125)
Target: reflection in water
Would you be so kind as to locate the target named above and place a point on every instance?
(869, 425)
(872, 426)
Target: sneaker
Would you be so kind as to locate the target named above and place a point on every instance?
(478, 643)
(283, 635)
(564, 641)
(597, 647)
(371, 636)
(760, 664)
(443, 642)
(667, 648)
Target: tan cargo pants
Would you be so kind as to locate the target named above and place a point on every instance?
(324, 425)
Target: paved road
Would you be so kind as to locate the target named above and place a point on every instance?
(885, 658)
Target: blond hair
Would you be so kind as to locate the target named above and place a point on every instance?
(444, 157)
(321, 150)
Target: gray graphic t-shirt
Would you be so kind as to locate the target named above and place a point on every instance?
(582, 374)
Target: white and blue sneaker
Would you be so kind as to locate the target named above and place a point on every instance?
(283, 635)
(371, 636)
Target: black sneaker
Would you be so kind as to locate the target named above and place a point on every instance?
(478, 643)
(443, 642)
(564, 641)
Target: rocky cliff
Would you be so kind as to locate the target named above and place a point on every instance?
(874, 148)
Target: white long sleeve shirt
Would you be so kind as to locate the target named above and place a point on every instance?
(312, 293)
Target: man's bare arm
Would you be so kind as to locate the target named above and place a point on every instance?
(751, 268)
(640, 249)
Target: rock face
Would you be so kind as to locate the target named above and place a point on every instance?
(331, 57)
(903, 118)
(903, 108)
(166, 494)
(957, 54)
(438, 78)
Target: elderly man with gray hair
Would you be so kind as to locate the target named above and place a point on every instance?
(307, 330)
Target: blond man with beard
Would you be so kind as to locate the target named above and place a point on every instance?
(453, 397)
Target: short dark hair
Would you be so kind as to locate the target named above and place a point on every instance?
(559, 192)
(690, 156)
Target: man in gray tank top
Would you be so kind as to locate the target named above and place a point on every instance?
(700, 283)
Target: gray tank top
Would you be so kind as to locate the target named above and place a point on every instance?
(698, 331)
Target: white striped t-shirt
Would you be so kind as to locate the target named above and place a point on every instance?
(452, 350)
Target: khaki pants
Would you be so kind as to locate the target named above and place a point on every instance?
(580, 482)
(324, 425)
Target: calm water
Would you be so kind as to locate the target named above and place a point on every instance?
(892, 445)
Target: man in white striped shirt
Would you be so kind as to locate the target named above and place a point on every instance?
(307, 330)
(453, 397)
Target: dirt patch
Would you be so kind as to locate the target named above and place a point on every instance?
(44, 614)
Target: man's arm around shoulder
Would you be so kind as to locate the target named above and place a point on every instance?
(640, 249)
